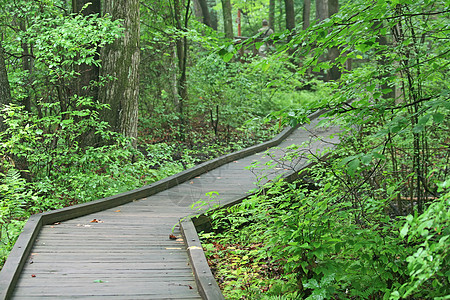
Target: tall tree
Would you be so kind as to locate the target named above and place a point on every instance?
(321, 10)
(198, 10)
(213, 14)
(27, 65)
(5, 92)
(272, 14)
(280, 15)
(201, 11)
(227, 19)
(306, 13)
(121, 61)
(334, 73)
(205, 12)
(182, 53)
(290, 14)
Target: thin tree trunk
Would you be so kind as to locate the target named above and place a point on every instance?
(272, 14)
(290, 14)
(121, 60)
(333, 53)
(26, 66)
(182, 52)
(5, 92)
(213, 14)
(205, 13)
(381, 39)
(321, 10)
(198, 10)
(227, 19)
(306, 14)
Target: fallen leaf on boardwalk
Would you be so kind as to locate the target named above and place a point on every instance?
(117, 210)
(99, 281)
(191, 182)
(33, 275)
(96, 221)
(172, 237)
(190, 287)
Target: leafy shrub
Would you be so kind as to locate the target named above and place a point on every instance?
(15, 197)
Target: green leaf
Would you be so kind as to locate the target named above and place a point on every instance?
(366, 159)
(227, 57)
(353, 166)
(99, 281)
(404, 230)
(423, 120)
(418, 128)
(438, 117)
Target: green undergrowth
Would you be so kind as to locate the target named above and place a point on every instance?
(46, 162)
(297, 241)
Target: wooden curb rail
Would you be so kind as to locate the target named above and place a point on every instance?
(10, 273)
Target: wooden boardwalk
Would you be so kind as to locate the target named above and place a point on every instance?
(125, 252)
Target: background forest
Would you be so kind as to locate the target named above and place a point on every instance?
(98, 98)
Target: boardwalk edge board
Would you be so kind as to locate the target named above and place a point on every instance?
(206, 283)
(10, 272)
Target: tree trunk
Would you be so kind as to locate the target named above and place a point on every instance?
(227, 19)
(306, 14)
(121, 61)
(182, 52)
(213, 14)
(334, 73)
(198, 11)
(88, 73)
(321, 10)
(272, 14)
(290, 14)
(381, 39)
(27, 65)
(205, 13)
(5, 92)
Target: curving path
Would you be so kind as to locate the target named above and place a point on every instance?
(124, 252)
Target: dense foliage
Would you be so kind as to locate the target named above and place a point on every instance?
(372, 220)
